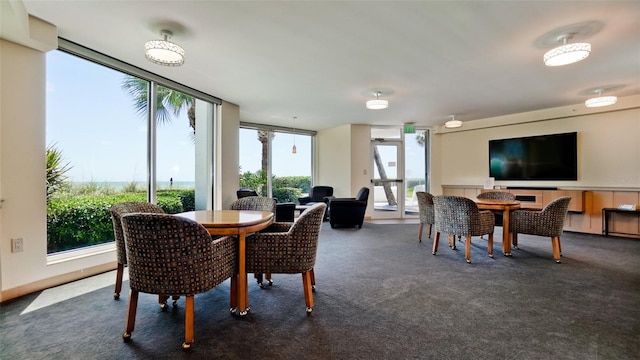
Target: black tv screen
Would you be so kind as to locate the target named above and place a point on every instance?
(544, 157)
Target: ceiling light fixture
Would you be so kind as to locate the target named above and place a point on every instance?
(164, 52)
(378, 103)
(567, 53)
(293, 149)
(601, 100)
(453, 123)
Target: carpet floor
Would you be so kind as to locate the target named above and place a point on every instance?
(381, 294)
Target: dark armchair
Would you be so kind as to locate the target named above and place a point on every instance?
(349, 211)
(318, 194)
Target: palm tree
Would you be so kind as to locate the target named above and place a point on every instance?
(168, 101)
(56, 169)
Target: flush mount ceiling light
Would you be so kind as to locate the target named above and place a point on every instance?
(601, 100)
(164, 52)
(453, 123)
(567, 53)
(378, 103)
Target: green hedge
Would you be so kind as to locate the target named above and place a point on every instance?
(75, 222)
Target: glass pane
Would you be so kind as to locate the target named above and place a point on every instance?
(96, 150)
(291, 173)
(415, 174)
(385, 167)
(254, 160)
(175, 148)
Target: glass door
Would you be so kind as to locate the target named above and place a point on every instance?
(387, 182)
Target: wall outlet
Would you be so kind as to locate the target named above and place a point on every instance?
(17, 245)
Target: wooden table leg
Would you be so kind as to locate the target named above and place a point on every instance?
(242, 274)
(506, 245)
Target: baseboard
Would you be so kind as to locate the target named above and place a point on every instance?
(55, 281)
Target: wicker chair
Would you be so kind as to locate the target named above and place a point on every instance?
(427, 215)
(456, 215)
(117, 211)
(546, 222)
(257, 203)
(173, 255)
(497, 195)
(289, 249)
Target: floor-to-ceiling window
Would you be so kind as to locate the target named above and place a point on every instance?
(104, 148)
(269, 165)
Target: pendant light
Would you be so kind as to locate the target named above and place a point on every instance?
(293, 149)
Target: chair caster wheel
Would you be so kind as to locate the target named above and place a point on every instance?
(186, 346)
(313, 288)
(175, 303)
(491, 256)
(232, 311)
(164, 307)
(126, 337)
(558, 262)
(116, 296)
(270, 282)
(309, 310)
(433, 253)
(261, 285)
(468, 261)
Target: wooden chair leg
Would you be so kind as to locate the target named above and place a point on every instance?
(514, 240)
(467, 249)
(429, 229)
(233, 296)
(452, 241)
(308, 294)
(313, 280)
(119, 274)
(436, 240)
(555, 243)
(267, 276)
(490, 245)
(188, 322)
(560, 246)
(130, 320)
(420, 232)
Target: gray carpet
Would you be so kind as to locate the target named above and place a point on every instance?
(381, 295)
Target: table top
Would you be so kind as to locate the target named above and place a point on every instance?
(497, 204)
(228, 218)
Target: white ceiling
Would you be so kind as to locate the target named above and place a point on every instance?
(321, 60)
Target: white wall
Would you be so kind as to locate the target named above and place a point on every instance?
(608, 147)
(334, 159)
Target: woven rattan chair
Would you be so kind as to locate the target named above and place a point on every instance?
(546, 222)
(456, 215)
(496, 195)
(289, 251)
(172, 255)
(259, 203)
(427, 214)
(117, 211)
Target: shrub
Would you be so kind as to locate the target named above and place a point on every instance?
(78, 221)
(287, 194)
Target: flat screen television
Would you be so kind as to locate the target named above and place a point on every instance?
(543, 157)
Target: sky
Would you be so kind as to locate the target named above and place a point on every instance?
(91, 119)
